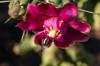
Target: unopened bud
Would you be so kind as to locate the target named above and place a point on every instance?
(15, 9)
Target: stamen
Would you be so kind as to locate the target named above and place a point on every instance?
(52, 33)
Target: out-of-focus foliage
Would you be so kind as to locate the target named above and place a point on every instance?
(23, 2)
(25, 45)
(96, 23)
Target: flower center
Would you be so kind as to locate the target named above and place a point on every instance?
(53, 33)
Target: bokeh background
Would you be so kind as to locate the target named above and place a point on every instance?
(14, 52)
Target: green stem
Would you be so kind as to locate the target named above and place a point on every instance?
(23, 35)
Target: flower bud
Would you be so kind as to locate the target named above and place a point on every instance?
(15, 9)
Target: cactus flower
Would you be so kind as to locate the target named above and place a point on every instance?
(57, 23)
(62, 30)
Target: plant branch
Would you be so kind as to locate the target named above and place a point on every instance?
(88, 11)
(4, 1)
(7, 20)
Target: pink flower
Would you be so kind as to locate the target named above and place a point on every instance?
(35, 16)
(62, 30)
(56, 24)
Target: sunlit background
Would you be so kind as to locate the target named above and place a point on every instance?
(14, 52)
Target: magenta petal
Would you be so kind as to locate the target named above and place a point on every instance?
(35, 26)
(80, 26)
(32, 9)
(75, 35)
(23, 25)
(47, 9)
(62, 43)
(69, 11)
(33, 18)
(29, 26)
(32, 13)
(52, 23)
(35, 22)
(39, 37)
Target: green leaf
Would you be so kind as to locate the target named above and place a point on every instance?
(24, 2)
(57, 2)
(65, 1)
